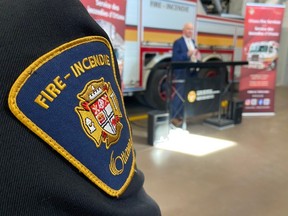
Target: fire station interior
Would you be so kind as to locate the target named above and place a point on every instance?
(205, 170)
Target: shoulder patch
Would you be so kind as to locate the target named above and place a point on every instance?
(71, 99)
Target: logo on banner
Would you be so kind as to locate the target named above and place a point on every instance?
(99, 113)
(191, 97)
(251, 11)
(202, 95)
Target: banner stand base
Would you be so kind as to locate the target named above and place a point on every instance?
(219, 124)
(258, 114)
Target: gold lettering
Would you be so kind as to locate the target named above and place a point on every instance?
(123, 158)
(107, 60)
(43, 93)
(87, 67)
(97, 60)
(122, 165)
(113, 167)
(76, 73)
(41, 101)
(88, 63)
(59, 83)
(92, 61)
(101, 59)
(79, 68)
(52, 90)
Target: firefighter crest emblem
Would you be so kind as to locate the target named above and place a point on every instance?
(99, 113)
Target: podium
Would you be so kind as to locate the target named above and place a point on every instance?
(202, 94)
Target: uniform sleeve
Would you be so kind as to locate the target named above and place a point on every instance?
(36, 179)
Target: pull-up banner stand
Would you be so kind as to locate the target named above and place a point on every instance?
(260, 49)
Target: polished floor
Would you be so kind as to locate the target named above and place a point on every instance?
(246, 176)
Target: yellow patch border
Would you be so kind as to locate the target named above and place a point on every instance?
(49, 140)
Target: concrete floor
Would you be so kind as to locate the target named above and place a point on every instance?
(247, 178)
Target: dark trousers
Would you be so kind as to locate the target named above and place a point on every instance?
(178, 98)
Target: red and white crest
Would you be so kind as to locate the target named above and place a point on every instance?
(99, 113)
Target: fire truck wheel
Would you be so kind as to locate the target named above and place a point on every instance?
(155, 93)
(272, 66)
(140, 97)
(212, 72)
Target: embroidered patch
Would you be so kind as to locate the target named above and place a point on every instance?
(70, 98)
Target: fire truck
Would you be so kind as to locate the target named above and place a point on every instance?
(151, 27)
(263, 55)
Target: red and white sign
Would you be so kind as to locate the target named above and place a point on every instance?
(110, 15)
(260, 49)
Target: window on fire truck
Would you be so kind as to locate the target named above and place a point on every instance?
(215, 6)
(263, 49)
(271, 49)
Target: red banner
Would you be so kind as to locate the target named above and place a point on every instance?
(110, 15)
(260, 49)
